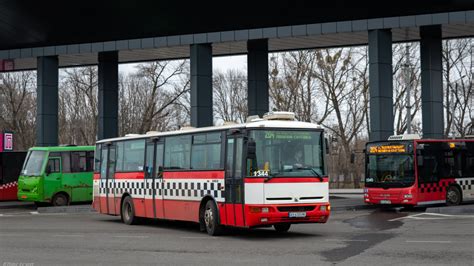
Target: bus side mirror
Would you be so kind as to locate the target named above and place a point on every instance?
(48, 169)
(251, 150)
(419, 160)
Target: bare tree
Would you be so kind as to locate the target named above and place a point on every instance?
(400, 88)
(149, 98)
(458, 86)
(78, 112)
(230, 96)
(18, 106)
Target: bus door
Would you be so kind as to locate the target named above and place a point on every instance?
(154, 179)
(234, 188)
(52, 176)
(107, 172)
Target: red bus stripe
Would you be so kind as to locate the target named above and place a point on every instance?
(194, 175)
(286, 180)
(130, 175)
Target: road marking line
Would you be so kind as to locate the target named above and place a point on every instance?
(347, 240)
(131, 236)
(404, 217)
(430, 241)
(68, 235)
(195, 237)
(438, 216)
(34, 212)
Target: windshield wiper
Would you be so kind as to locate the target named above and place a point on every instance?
(314, 172)
(271, 176)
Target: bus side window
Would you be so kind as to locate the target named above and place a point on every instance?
(78, 163)
(89, 161)
(66, 161)
(53, 165)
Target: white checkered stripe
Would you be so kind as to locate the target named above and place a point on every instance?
(172, 189)
(9, 185)
(467, 186)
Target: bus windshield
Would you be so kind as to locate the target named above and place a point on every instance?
(390, 169)
(33, 163)
(287, 153)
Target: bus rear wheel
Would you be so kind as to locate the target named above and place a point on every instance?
(211, 219)
(60, 199)
(453, 196)
(127, 212)
(282, 228)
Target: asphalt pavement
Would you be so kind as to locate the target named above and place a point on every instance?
(351, 237)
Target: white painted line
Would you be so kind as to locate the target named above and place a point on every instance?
(347, 240)
(131, 236)
(68, 235)
(430, 241)
(34, 213)
(404, 217)
(196, 237)
(437, 216)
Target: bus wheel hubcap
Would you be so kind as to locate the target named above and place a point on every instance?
(128, 211)
(452, 196)
(208, 217)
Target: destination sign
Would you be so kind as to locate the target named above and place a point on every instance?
(392, 148)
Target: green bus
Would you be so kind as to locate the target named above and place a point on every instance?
(57, 175)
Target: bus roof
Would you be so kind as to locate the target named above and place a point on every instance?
(256, 124)
(63, 148)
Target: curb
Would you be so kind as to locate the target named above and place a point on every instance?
(67, 209)
(16, 206)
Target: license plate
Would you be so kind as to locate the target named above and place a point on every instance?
(296, 214)
(385, 202)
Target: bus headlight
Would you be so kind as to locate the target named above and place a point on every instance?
(264, 210)
(408, 196)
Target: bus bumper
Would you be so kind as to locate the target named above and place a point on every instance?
(25, 196)
(263, 215)
(391, 197)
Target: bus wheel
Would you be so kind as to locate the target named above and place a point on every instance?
(60, 199)
(282, 228)
(453, 196)
(211, 219)
(127, 211)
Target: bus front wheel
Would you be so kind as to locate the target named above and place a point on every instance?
(60, 199)
(453, 196)
(128, 211)
(211, 219)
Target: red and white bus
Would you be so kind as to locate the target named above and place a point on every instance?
(265, 172)
(409, 171)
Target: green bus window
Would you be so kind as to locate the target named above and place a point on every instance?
(97, 158)
(53, 164)
(66, 161)
(119, 161)
(90, 161)
(78, 163)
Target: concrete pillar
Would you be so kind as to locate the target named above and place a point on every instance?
(431, 81)
(381, 87)
(108, 95)
(47, 101)
(201, 85)
(257, 71)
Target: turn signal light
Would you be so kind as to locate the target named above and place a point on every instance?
(255, 210)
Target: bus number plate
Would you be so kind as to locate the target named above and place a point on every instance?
(385, 202)
(297, 214)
